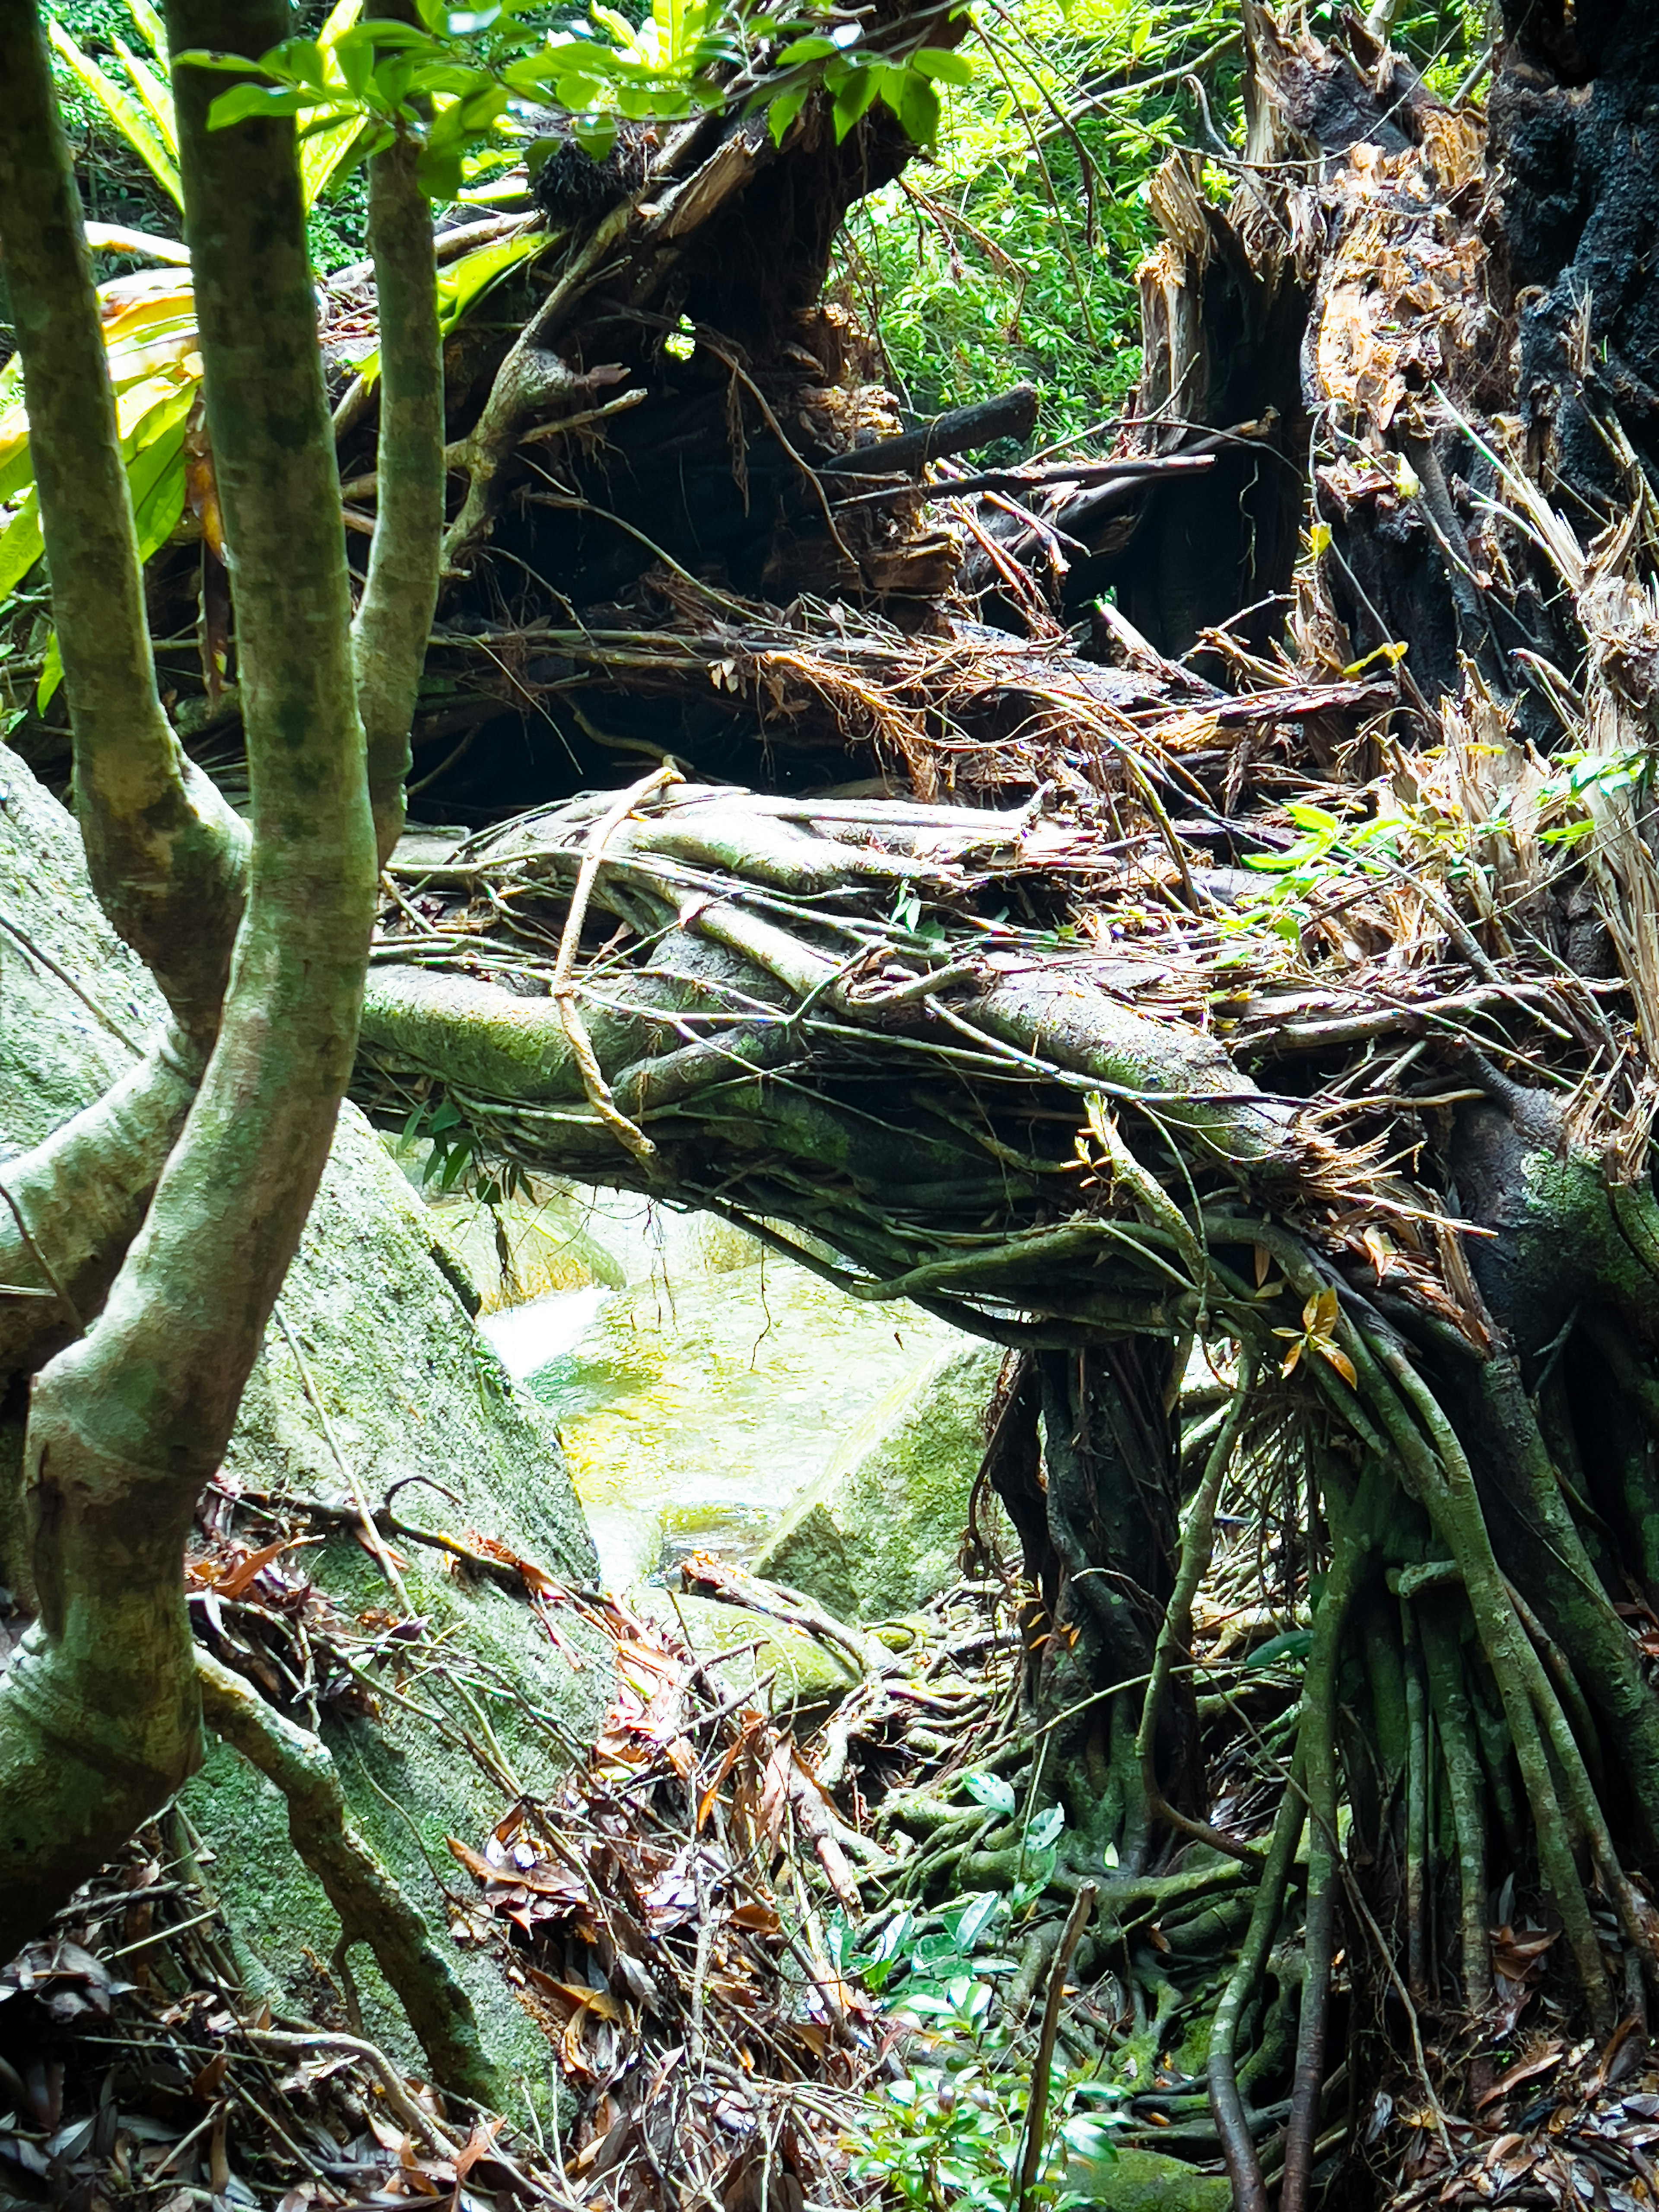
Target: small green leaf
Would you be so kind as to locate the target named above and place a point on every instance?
(990, 1789)
(1045, 1828)
(784, 110)
(854, 95)
(596, 135)
(52, 675)
(260, 102)
(943, 63)
(918, 110)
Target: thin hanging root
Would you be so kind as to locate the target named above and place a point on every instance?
(1417, 1804)
(1237, 2147)
(1318, 1744)
(1174, 1637)
(1466, 1786)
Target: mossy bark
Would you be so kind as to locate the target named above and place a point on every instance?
(166, 854)
(99, 1711)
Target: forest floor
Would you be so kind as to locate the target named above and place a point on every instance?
(781, 1963)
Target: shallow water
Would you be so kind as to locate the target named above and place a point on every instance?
(698, 1400)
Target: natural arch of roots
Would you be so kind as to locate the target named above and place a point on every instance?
(1268, 1221)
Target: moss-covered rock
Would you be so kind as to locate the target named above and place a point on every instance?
(373, 1372)
(879, 1533)
(1147, 2181)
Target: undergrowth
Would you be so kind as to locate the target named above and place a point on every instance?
(1010, 251)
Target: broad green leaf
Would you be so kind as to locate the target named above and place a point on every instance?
(15, 469)
(943, 63)
(122, 109)
(19, 544)
(596, 135)
(990, 1789)
(854, 95)
(148, 411)
(784, 110)
(918, 110)
(322, 157)
(1294, 1643)
(299, 60)
(158, 516)
(812, 48)
(1045, 1828)
(468, 279)
(975, 1916)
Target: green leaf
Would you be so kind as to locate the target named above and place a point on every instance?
(854, 95)
(19, 544)
(990, 1789)
(153, 92)
(299, 60)
(469, 278)
(813, 48)
(148, 20)
(943, 63)
(918, 110)
(122, 109)
(52, 675)
(1294, 1643)
(1045, 1828)
(975, 1918)
(784, 110)
(324, 157)
(596, 135)
(262, 101)
(157, 515)
(1313, 818)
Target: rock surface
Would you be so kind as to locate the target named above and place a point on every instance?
(877, 1534)
(375, 1331)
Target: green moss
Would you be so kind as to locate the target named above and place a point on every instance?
(1147, 2181)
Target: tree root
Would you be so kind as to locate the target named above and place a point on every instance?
(371, 1907)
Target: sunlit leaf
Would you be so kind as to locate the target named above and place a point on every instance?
(155, 96)
(944, 63)
(52, 675)
(19, 544)
(122, 109)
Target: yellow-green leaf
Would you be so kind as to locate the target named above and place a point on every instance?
(153, 95)
(321, 155)
(19, 544)
(122, 109)
(52, 675)
(157, 515)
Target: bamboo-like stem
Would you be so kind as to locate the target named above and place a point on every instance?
(166, 856)
(394, 617)
(99, 1713)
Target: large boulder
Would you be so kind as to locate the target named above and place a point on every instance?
(373, 1372)
(877, 1534)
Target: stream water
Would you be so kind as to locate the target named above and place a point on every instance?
(698, 1381)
